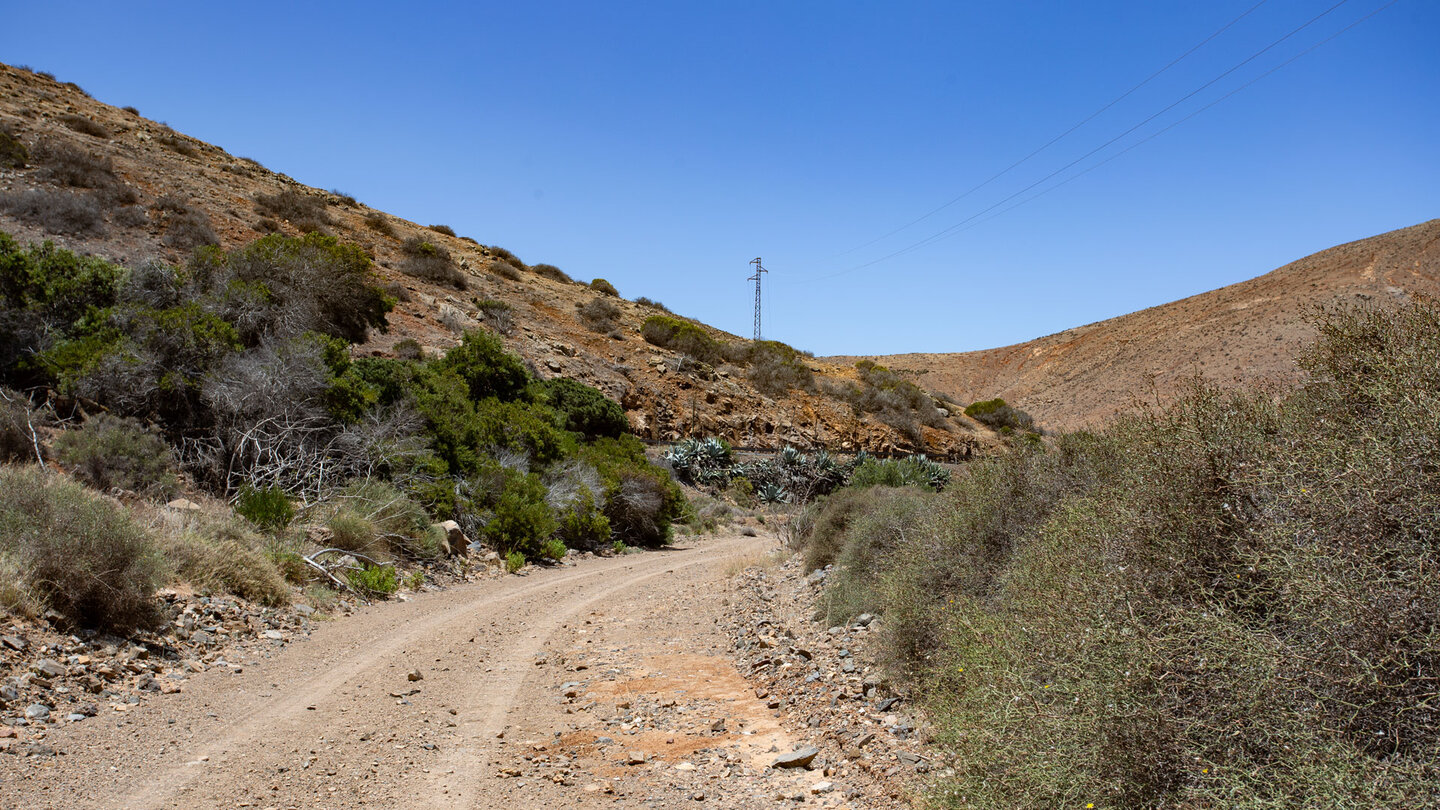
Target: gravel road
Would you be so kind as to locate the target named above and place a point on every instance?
(603, 684)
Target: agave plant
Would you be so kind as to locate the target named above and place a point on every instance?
(770, 493)
(790, 457)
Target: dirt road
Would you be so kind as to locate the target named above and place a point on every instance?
(605, 684)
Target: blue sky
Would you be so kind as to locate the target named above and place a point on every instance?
(664, 145)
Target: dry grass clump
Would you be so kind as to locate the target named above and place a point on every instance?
(69, 550)
(178, 145)
(223, 554)
(13, 154)
(1229, 602)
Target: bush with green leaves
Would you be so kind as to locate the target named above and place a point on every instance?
(604, 287)
(522, 521)
(18, 439)
(76, 553)
(514, 561)
(583, 526)
(998, 414)
(112, 452)
(375, 581)
(913, 471)
(683, 336)
(267, 507)
(584, 410)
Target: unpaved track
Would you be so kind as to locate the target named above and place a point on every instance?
(333, 722)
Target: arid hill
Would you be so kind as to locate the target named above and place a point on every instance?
(1244, 333)
(107, 181)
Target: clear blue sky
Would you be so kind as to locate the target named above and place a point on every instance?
(664, 145)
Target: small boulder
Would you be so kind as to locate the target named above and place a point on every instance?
(797, 759)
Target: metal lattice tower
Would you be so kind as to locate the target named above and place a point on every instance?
(756, 278)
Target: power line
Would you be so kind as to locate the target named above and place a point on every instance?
(1177, 123)
(1092, 116)
(947, 231)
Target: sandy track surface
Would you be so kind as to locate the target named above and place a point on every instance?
(603, 684)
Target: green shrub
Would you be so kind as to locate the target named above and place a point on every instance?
(863, 539)
(1132, 618)
(77, 554)
(682, 336)
(284, 286)
(604, 287)
(551, 272)
(376, 581)
(266, 507)
(999, 415)
(914, 471)
(583, 409)
(553, 549)
(641, 505)
(774, 368)
(742, 492)
(112, 452)
(486, 367)
(514, 561)
(522, 521)
(583, 526)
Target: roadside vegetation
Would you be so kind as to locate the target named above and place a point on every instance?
(1228, 602)
(229, 376)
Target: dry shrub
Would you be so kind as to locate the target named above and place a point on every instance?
(85, 126)
(77, 553)
(598, 315)
(17, 437)
(305, 212)
(178, 145)
(69, 165)
(62, 212)
(431, 262)
(552, 272)
(1229, 602)
(186, 227)
(112, 452)
(445, 229)
(503, 255)
(380, 223)
(13, 154)
(504, 270)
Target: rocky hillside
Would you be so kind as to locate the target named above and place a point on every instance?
(107, 181)
(1247, 332)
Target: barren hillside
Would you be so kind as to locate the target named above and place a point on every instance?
(106, 181)
(1246, 332)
